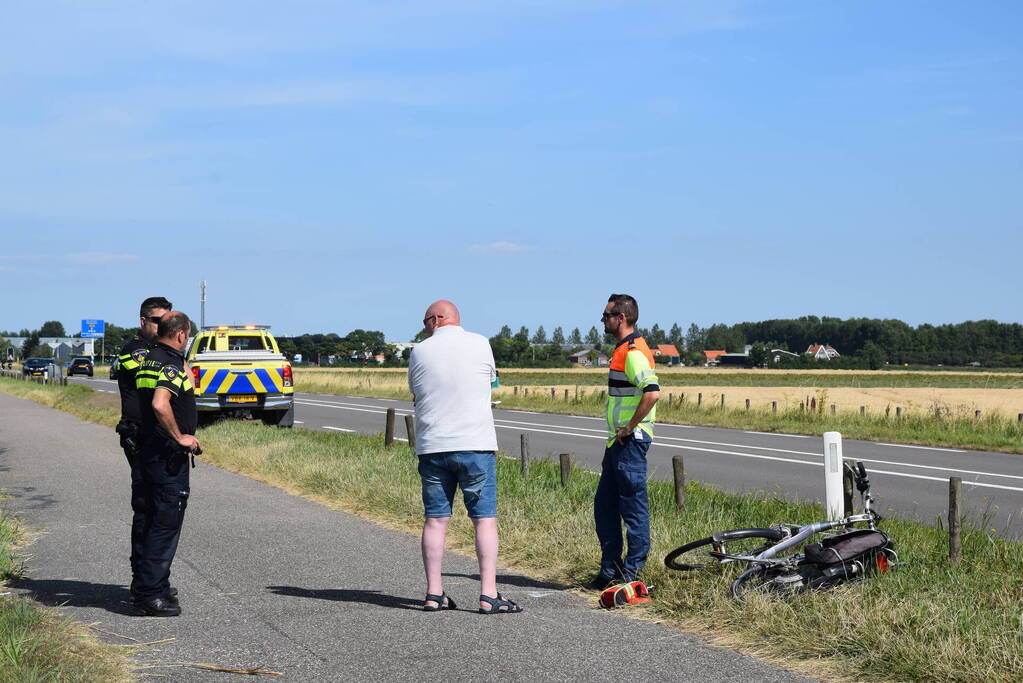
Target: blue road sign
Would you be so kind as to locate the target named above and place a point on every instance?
(92, 328)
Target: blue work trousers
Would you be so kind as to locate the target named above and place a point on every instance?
(621, 497)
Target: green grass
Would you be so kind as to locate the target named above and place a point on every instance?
(928, 621)
(37, 645)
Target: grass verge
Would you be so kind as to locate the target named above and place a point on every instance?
(37, 644)
(927, 621)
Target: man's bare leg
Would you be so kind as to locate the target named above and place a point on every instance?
(435, 529)
(486, 553)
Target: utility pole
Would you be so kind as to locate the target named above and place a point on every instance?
(202, 305)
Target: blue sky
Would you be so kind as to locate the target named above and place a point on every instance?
(333, 165)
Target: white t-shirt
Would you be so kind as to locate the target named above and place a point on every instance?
(450, 375)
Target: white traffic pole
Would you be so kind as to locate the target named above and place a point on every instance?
(833, 475)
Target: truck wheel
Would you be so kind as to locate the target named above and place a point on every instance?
(280, 418)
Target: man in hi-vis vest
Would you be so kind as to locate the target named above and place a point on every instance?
(632, 393)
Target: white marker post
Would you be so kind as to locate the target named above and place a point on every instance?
(833, 475)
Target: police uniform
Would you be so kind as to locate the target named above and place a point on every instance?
(622, 491)
(164, 467)
(130, 358)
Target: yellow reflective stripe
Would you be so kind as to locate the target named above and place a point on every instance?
(145, 383)
(128, 363)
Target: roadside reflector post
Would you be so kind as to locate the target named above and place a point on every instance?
(566, 466)
(410, 431)
(833, 474)
(389, 427)
(680, 482)
(955, 526)
(847, 488)
(524, 451)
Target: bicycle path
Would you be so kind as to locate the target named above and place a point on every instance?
(273, 581)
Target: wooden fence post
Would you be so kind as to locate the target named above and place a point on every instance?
(553, 391)
(898, 411)
(955, 527)
(774, 406)
(833, 408)
(976, 414)
(566, 466)
(524, 452)
(699, 399)
(389, 427)
(747, 404)
(566, 395)
(410, 431)
(863, 410)
(722, 400)
(515, 390)
(680, 482)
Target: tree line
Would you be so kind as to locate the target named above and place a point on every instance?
(862, 342)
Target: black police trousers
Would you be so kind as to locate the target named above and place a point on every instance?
(129, 433)
(165, 491)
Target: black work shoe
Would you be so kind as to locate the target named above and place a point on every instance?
(172, 596)
(600, 582)
(159, 607)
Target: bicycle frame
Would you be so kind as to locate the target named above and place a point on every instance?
(796, 534)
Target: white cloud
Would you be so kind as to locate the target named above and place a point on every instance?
(498, 248)
(98, 257)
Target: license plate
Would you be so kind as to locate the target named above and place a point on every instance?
(243, 398)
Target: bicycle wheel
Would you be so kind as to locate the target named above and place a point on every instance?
(696, 555)
(760, 580)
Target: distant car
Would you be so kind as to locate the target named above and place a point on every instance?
(80, 366)
(114, 367)
(35, 367)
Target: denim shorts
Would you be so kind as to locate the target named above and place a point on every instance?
(475, 472)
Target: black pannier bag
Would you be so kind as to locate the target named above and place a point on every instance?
(855, 545)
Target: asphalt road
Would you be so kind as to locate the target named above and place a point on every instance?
(911, 481)
(274, 581)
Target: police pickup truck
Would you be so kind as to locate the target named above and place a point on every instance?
(240, 370)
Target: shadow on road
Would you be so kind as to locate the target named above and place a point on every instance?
(60, 592)
(348, 595)
(514, 580)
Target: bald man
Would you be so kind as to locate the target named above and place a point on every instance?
(449, 375)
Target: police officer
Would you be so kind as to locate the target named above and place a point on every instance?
(129, 359)
(169, 421)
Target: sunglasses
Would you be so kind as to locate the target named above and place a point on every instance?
(607, 316)
(428, 318)
(155, 319)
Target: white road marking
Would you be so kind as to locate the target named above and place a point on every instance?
(299, 422)
(791, 436)
(338, 429)
(924, 448)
